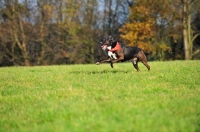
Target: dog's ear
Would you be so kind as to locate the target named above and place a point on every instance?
(110, 38)
(102, 41)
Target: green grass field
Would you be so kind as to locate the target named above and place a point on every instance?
(91, 98)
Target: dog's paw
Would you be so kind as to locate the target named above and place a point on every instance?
(111, 64)
(97, 63)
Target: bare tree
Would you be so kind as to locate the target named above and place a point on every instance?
(188, 37)
(14, 14)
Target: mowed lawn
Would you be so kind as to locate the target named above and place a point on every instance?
(91, 98)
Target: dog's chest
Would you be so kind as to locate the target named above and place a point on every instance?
(109, 47)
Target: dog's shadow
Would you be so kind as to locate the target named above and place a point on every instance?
(99, 72)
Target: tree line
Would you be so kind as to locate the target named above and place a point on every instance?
(46, 32)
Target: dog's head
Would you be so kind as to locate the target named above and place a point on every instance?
(103, 46)
(106, 43)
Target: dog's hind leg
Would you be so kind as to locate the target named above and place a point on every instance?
(135, 63)
(143, 59)
(146, 64)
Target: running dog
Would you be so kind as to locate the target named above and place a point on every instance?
(123, 53)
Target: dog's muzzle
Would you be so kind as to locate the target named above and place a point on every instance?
(104, 47)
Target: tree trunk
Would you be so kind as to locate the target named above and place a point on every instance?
(41, 33)
(185, 31)
(23, 43)
(190, 32)
(18, 28)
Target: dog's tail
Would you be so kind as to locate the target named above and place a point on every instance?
(147, 53)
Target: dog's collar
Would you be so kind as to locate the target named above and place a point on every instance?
(117, 47)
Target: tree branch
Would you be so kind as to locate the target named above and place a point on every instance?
(196, 35)
(196, 52)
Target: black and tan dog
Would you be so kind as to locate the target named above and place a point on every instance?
(123, 53)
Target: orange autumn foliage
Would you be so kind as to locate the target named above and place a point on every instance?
(139, 31)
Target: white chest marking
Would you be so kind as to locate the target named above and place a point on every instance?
(112, 55)
(109, 47)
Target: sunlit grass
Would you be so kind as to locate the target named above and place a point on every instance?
(99, 98)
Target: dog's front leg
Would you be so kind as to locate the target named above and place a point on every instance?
(111, 64)
(104, 60)
(119, 59)
(121, 56)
